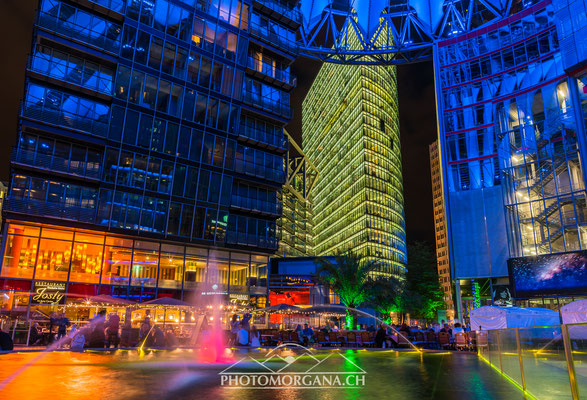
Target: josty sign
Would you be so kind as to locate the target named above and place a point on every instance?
(48, 293)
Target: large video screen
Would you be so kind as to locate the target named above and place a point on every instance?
(549, 275)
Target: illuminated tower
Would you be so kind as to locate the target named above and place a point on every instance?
(351, 133)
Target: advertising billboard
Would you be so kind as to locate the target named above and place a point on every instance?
(563, 274)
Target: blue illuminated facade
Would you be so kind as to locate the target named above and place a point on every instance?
(157, 122)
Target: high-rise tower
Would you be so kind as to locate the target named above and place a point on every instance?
(351, 133)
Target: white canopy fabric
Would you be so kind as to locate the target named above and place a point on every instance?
(489, 317)
(575, 313)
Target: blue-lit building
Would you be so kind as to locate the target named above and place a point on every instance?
(150, 148)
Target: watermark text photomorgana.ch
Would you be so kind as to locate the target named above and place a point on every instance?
(275, 372)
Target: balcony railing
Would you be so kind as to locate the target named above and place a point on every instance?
(54, 210)
(62, 70)
(256, 205)
(267, 104)
(263, 136)
(250, 240)
(54, 163)
(260, 171)
(283, 10)
(114, 5)
(109, 40)
(271, 71)
(68, 120)
(267, 35)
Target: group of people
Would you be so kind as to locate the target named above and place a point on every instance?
(241, 332)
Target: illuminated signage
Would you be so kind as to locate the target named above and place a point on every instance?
(48, 293)
(236, 298)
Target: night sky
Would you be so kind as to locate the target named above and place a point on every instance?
(416, 104)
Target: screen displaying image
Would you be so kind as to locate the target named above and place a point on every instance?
(555, 274)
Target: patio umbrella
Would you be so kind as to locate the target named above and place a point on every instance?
(103, 298)
(168, 301)
(281, 309)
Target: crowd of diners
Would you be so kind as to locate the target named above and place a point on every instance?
(434, 336)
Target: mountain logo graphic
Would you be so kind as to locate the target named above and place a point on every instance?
(293, 365)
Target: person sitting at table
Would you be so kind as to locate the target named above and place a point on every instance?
(158, 337)
(254, 337)
(446, 329)
(307, 334)
(371, 328)
(325, 330)
(170, 338)
(112, 326)
(242, 337)
(457, 329)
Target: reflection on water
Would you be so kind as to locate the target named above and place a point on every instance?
(177, 375)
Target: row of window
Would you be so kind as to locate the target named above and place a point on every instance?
(142, 130)
(54, 254)
(67, 110)
(504, 59)
(497, 38)
(176, 21)
(80, 25)
(58, 155)
(180, 62)
(72, 69)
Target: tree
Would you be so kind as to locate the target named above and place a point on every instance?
(387, 296)
(349, 276)
(423, 296)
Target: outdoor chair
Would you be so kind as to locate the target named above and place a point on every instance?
(461, 341)
(432, 340)
(481, 339)
(333, 338)
(471, 339)
(443, 340)
(321, 338)
(367, 340)
(419, 339)
(351, 339)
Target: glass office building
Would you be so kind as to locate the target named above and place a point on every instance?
(151, 147)
(510, 101)
(350, 132)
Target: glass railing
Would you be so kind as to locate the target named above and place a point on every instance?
(260, 171)
(55, 163)
(287, 11)
(256, 205)
(547, 362)
(263, 136)
(272, 71)
(54, 210)
(108, 38)
(267, 104)
(69, 72)
(269, 36)
(66, 119)
(114, 5)
(250, 240)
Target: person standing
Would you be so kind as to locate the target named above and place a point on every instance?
(63, 323)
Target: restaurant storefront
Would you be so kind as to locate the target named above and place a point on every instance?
(85, 263)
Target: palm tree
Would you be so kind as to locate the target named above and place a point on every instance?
(349, 276)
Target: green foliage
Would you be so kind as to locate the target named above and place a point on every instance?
(423, 296)
(349, 276)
